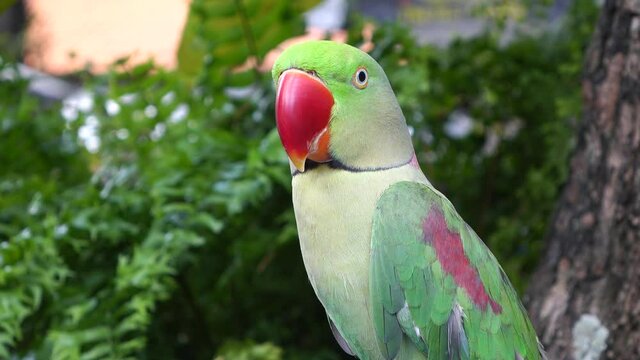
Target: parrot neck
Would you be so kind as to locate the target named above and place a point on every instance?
(335, 164)
(382, 142)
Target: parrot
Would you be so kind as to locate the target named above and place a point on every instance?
(397, 270)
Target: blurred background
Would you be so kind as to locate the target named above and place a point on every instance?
(145, 204)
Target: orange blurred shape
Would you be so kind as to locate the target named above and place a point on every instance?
(65, 35)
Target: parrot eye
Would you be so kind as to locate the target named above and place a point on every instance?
(360, 78)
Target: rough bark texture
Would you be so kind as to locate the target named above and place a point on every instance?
(585, 296)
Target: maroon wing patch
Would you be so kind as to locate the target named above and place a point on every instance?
(450, 253)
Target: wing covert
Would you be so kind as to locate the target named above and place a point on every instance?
(460, 303)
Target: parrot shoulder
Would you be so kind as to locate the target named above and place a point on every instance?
(433, 280)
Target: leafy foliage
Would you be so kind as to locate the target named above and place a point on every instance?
(221, 34)
(5, 4)
(174, 236)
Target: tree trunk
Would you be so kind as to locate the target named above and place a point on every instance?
(585, 295)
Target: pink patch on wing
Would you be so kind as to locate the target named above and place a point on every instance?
(450, 253)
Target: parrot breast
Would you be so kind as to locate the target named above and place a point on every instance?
(334, 212)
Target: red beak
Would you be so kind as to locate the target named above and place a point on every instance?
(303, 111)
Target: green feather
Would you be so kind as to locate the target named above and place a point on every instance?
(410, 262)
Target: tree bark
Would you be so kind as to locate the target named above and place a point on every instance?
(585, 295)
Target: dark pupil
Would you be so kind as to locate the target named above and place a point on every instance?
(362, 77)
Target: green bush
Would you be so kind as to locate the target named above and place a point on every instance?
(175, 238)
(221, 34)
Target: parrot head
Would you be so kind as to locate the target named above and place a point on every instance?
(334, 104)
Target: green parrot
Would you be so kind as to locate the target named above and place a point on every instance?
(399, 273)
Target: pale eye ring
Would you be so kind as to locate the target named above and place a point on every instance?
(360, 78)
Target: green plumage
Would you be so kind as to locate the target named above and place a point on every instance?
(399, 273)
(405, 270)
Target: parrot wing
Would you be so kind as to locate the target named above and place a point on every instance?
(433, 280)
